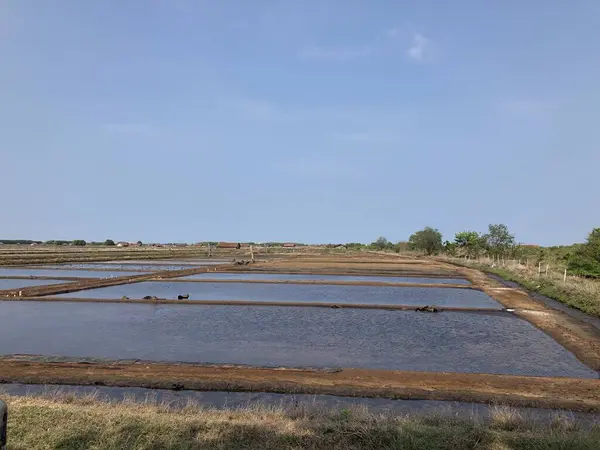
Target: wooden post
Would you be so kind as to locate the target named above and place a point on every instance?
(209, 250)
(539, 268)
(546, 269)
(565, 277)
(3, 424)
(251, 254)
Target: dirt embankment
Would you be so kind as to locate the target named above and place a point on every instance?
(86, 284)
(545, 392)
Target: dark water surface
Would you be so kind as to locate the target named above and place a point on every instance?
(312, 277)
(468, 298)
(14, 284)
(233, 400)
(26, 272)
(286, 336)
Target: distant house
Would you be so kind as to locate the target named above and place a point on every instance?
(122, 244)
(229, 245)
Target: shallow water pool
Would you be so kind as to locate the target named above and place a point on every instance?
(381, 295)
(286, 336)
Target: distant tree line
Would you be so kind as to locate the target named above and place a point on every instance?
(77, 242)
(498, 242)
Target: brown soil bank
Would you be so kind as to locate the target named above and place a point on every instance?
(93, 283)
(569, 393)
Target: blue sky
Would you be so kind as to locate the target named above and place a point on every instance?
(313, 121)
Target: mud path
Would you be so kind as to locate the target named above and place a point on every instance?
(544, 392)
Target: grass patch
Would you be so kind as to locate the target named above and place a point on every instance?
(579, 293)
(69, 423)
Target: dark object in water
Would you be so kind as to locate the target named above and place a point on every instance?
(177, 387)
(243, 262)
(335, 306)
(428, 309)
(150, 297)
(183, 297)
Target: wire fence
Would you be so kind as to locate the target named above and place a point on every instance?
(541, 270)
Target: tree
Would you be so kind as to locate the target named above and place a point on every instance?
(585, 260)
(401, 246)
(79, 242)
(470, 242)
(498, 240)
(381, 244)
(139, 242)
(428, 239)
(450, 248)
(109, 242)
(354, 245)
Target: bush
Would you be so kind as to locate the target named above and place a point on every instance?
(428, 239)
(585, 260)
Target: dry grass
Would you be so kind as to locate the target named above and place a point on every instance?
(69, 422)
(578, 292)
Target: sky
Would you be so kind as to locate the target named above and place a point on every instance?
(317, 121)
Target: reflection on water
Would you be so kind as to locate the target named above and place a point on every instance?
(22, 272)
(16, 284)
(286, 336)
(127, 266)
(314, 277)
(468, 298)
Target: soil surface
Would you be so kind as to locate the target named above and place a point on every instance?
(568, 393)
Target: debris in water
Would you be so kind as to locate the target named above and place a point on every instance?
(427, 309)
(183, 297)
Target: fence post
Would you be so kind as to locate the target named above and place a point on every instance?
(539, 269)
(565, 277)
(546, 269)
(3, 424)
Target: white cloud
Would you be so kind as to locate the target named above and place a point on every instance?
(334, 53)
(419, 47)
